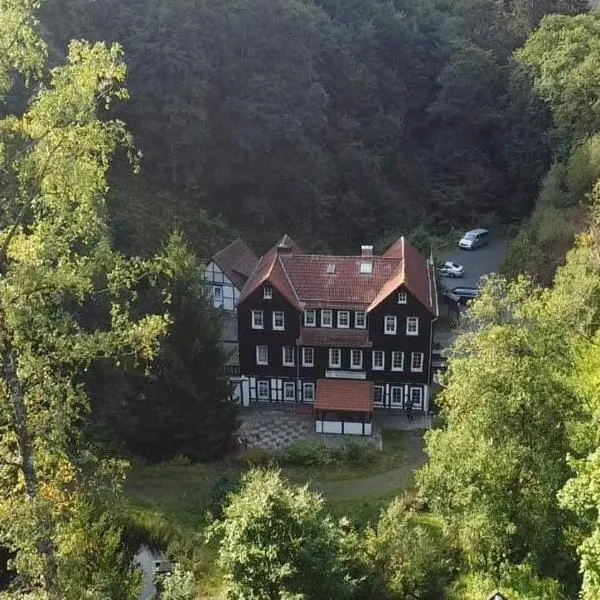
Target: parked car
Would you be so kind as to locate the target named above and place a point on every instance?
(461, 295)
(451, 269)
(474, 239)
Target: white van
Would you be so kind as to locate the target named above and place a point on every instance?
(474, 239)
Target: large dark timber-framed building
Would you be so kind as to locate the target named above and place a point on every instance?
(305, 319)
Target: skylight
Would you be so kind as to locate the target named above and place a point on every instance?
(330, 268)
(366, 268)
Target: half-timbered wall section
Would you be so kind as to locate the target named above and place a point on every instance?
(227, 272)
(306, 318)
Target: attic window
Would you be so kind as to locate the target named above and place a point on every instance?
(366, 268)
(267, 292)
(331, 269)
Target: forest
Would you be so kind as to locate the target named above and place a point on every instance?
(137, 138)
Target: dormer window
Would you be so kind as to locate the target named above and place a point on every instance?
(366, 267)
(267, 292)
(331, 269)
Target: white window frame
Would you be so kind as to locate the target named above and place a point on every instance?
(305, 362)
(329, 313)
(373, 365)
(267, 292)
(260, 385)
(402, 298)
(218, 297)
(412, 325)
(284, 362)
(276, 314)
(375, 401)
(412, 361)
(289, 385)
(306, 386)
(255, 315)
(337, 365)
(364, 319)
(400, 390)
(352, 354)
(420, 392)
(340, 313)
(394, 354)
(390, 319)
(312, 322)
(258, 361)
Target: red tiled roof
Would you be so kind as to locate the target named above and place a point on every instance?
(308, 274)
(269, 268)
(304, 280)
(344, 395)
(237, 261)
(415, 273)
(335, 338)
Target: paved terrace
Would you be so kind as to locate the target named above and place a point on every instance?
(276, 427)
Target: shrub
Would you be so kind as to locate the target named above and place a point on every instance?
(220, 494)
(306, 453)
(358, 453)
(256, 457)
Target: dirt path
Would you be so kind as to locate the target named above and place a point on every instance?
(382, 483)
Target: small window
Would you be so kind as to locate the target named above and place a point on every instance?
(331, 269)
(343, 319)
(389, 327)
(268, 292)
(278, 320)
(397, 361)
(416, 397)
(310, 318)
(287, 356)
(396, 399)
(335, 358)
(326, 318)
(218, 293)
(360, 319)
(356, 359)
(262, 355)
(412, 325)
(402, 298)
(378, 395)
(308, 390)
(308, 357)
(366, 267)
(378, 360)
(289, 390)
(416, 362)
(263, 390)
(258, 319)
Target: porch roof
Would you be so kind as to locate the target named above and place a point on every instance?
(344, 395)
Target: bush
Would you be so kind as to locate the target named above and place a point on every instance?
(358, 453)
(306, 454)
(256, 457)
(220, 494)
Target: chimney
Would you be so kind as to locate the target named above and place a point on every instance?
(366, 251)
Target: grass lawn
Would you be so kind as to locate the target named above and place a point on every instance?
(168, 502)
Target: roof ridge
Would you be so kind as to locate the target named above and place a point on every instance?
(300, 302)
(345, 256)
(237, 239)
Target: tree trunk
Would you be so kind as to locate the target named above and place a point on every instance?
(17, 401)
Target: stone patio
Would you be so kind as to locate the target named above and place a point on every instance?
(276, 427)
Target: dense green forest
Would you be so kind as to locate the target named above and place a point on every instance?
(326, 119)
(334, 121)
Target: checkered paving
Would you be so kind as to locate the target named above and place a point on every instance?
(274, 429)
